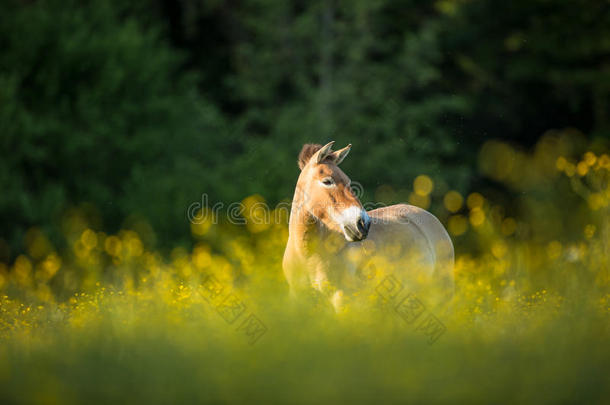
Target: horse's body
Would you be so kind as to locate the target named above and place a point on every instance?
(336, 247)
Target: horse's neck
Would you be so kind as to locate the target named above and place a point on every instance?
(312, 256)
(308, 237)
(302, 231)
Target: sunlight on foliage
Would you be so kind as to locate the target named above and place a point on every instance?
(110, 318)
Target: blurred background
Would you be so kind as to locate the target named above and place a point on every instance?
(128, 112)
(118, 117)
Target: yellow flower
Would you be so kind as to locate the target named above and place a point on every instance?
(423, 185)
(453, 201)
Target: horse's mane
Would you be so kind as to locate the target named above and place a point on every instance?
(307, 152)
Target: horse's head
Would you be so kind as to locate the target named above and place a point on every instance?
(325, 192)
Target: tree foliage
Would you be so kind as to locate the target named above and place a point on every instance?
(138, 109)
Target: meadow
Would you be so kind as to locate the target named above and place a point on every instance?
(109, 319)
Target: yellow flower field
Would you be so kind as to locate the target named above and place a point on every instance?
(108, 319)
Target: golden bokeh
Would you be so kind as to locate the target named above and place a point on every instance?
(477, 217)
(422, 201)
(453, 201)
(457, 225)
(202, 222)
(423, 185)
(475, 200)
(256, 212)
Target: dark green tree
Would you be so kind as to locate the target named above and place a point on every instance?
(359, 72)
(96, 108)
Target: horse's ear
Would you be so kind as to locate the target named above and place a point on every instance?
(339, 155)
(314, 151)
(324, 152)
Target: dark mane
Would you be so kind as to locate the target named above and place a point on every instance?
(307, 152)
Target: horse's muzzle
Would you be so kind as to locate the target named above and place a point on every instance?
(359, 231)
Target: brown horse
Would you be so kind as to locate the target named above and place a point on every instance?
(333, 240)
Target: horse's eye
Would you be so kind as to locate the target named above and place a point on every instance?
(328, 182)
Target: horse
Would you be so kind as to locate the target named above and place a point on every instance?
(335, 246)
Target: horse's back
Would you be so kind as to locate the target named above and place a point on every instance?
(417, 241)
